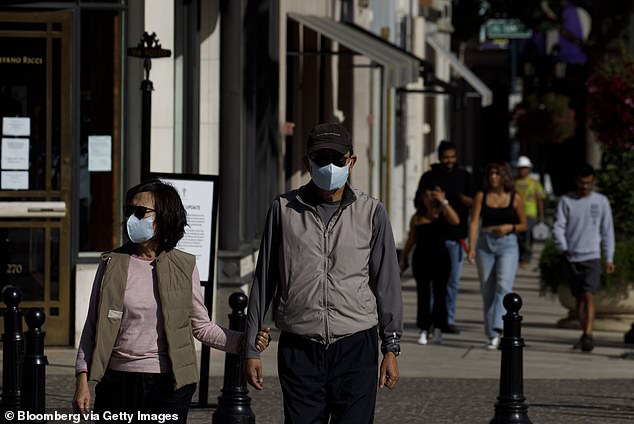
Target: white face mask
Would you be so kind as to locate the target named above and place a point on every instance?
(140, 230)
(329, 177)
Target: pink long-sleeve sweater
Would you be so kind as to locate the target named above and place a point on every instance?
(141, 345)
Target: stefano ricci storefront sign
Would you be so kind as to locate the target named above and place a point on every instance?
(21, 60)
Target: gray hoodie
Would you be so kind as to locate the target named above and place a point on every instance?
(582, 225)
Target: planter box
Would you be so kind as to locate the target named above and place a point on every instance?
(614, 308)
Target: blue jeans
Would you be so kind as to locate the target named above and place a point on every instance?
(496, 259)
(456, 254)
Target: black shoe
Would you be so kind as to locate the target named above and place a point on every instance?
(451, 329)
(587, 344)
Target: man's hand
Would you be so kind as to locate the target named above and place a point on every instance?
(389, 371)
(253, 371)
(609, 267)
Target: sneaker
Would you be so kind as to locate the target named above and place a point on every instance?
(422, 339)
(437, 336)
(494, 343)
(587, 343)
(451, 329)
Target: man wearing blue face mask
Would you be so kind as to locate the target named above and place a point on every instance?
(328, 264)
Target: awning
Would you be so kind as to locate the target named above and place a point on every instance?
(400, 68)
(485, 92)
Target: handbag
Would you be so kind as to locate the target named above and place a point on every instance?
(540, 231)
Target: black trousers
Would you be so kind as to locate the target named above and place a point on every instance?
(336, 382)
(145, 393)
(430, 279)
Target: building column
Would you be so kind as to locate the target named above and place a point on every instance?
(235, 257)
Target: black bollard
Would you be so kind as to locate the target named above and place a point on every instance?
(511, 406)
(34, 368)
(234, 404)
(12, 349)
(628, 338)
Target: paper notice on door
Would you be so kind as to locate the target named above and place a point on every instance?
(15, 153)
(14, 180)
(99, 153)
(20, 127)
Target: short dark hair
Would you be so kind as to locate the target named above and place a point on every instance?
(171, 217)
(505, 172)
(444, 146)
(584, 170)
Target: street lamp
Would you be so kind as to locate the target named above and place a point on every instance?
(147, 49)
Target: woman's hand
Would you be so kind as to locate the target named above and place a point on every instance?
(81, 400)
(403, 264)
(263, 339)
(439, 195)
(471, 256)
(499, 230)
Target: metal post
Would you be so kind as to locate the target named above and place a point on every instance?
(12, 349)
(34, 368)
(234, 405)
(511, 407)
(205, 356)
(146, 120)
(629, 336)
(147, 49)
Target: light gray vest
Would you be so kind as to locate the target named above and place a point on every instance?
(325, 292)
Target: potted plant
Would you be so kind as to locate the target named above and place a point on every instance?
(614, 301)
(611, 115)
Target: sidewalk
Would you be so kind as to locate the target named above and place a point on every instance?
(458, 381)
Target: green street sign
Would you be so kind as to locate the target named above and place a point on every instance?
(506, 28)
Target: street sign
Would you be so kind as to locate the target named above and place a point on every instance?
(506, 28)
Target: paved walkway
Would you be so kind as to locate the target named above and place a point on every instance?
(457, 382)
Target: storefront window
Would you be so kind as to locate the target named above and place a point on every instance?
(99, 131)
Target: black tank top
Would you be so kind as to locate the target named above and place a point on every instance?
(498, 216)
(430, 244)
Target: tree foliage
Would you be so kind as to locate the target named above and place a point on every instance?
(616, 181)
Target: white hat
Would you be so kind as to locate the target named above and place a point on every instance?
(524, 162)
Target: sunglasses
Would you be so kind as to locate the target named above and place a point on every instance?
(325, 160)
(138, 211)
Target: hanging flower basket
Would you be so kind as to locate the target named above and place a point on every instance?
(545, 118)
(610, 106)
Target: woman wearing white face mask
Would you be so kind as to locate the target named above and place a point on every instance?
(146, 304)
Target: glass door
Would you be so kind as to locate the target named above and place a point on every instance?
(36, 163)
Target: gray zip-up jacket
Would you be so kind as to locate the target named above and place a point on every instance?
(327, 280)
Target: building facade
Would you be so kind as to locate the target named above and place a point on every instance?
(244, 83)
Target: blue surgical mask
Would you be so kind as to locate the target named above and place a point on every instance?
(140, 230)
(329, 177)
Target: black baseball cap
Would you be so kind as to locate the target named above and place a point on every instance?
(329, 136)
